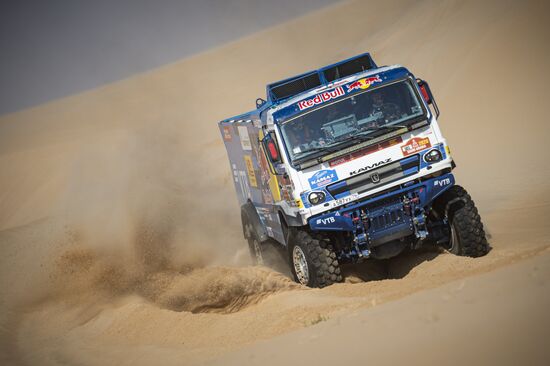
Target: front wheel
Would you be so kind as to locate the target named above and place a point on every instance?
(312, 260)
(467, 237)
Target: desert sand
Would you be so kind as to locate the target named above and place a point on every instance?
(120, 237)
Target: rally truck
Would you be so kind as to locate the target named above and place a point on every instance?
(344, 164)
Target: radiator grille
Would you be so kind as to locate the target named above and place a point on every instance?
(375, 178)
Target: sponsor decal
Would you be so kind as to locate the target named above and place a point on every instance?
(370, 167)
(322, 178)
(250, 171)
(369, 150)
(243, 183)
(364, 83)
(415, 145)
(321, 98)
(325, 221)
(245, 139)
(442, 182)
(227, 133)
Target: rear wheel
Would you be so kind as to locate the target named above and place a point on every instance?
(467, 237)
(254, 245)
(256, 251)
(313, 261)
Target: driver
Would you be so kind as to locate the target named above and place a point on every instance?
(382, 110)
(386, 110)
(302, 133)
(296, 134)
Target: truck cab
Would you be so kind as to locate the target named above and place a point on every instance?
(344, 164)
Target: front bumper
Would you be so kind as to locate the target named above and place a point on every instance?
(387, 216)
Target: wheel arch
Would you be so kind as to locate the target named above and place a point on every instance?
(250, 215)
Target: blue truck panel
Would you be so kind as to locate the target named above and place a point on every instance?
(342, 219)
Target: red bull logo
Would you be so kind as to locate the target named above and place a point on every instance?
(364, 83)
(321, 98)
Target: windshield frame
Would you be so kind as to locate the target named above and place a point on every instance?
(348, 144)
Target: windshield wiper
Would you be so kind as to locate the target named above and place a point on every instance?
(366, 134)
(387, 127)
(362, 136)
(333, 147)
(328, 148)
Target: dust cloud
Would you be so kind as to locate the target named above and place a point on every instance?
(138, 222)
(119, 227)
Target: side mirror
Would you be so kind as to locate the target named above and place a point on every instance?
(425, 91)
(427, 95)
(271, 148)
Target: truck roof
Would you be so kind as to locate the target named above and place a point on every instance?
(284, 91)
(295, 85)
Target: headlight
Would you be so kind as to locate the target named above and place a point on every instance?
(432, 156)
(316, 197)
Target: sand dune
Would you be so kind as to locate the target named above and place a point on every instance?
(119, 238)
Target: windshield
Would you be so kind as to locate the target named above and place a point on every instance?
(359, 116)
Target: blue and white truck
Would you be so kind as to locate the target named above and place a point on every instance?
(347, 163)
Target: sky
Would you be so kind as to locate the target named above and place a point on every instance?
(53, 48)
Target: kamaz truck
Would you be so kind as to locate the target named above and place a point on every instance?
(344, 164)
